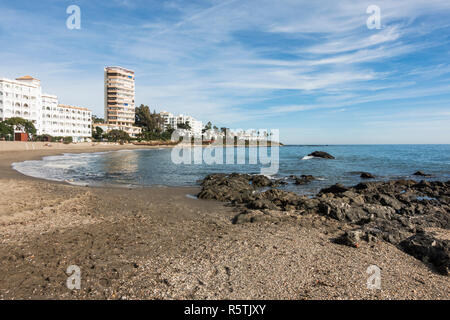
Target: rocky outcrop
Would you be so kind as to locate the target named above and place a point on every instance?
(303, 179)
(394, 211)
(224, 188)
(321, 154)
(353, 238)
(334, 189)
(261, 181)
(421, 173)
(425, 247)
(235, 187)
(367, 175)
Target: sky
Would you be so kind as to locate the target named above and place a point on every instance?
(314, 70)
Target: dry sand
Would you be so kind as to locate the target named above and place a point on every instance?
(156, 243)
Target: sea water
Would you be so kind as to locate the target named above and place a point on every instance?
(154, 167)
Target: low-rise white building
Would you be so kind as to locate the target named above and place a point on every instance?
(23, 98)
(66, 121)
(172, 121)
(131, 130)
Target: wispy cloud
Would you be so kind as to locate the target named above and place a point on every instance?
(237, 62)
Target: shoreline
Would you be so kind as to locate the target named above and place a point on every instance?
(39, 150)
(157, 243)
(39, 154)
(9, 156)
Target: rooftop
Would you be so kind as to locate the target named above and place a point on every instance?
(27, 78)
(72, 107)
(119, 68)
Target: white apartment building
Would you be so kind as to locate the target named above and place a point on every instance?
(172, 121)
(23, 98)
(65, 121)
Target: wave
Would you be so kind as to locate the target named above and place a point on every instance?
(307, 157)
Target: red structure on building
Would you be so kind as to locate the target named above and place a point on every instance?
(19, 136)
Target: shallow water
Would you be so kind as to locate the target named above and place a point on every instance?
(150, 167)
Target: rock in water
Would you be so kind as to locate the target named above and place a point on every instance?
(304, 179)
(367, 175)
(421, 173)
(321, 154)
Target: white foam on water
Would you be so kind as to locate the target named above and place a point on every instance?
(36, 170)
(76, 183)
(307, 157)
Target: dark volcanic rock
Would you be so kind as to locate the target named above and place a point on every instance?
(261, 181)
(234, 187)
(367, 175)
(421, 173)
(354, 238)
(337, 188)
(342, 210)
(351, 238)
(303, 179)
(321, 154)
(391, 211)
(262, 204)
(283, 199)
(428, 249)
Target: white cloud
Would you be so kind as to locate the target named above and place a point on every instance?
(234, 60)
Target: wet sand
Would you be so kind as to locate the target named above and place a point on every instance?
(157, 243)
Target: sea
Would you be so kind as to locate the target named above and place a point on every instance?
(162, 167)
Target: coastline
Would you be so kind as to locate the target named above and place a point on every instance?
(11, 152)
(157, 243)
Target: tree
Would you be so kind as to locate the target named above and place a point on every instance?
(96, 119)
(67, 140)
(167, 135)
(5, 130)
(150, 122)
(118, 136)
(98, 133)
(22, 125)
(142, 116)
(44, 138)
(184, 126)
(207, 127)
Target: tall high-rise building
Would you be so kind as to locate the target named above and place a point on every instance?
(119, 97)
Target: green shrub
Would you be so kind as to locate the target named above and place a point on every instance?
(67, 140)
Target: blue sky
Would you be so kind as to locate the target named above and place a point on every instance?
(311, 69)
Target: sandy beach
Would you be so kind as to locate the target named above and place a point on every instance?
(158, 243)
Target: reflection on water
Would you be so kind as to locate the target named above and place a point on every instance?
(154, 167)
(122, 166)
